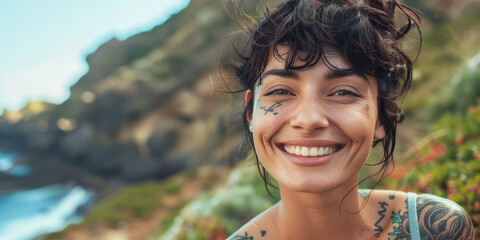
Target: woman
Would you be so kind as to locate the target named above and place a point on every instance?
(322, 80)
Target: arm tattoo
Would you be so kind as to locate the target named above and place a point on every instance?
(400, 226)
(245, 237)
(442, 219)
(271, 108)
(378, 228)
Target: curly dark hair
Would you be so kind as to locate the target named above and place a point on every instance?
(365, 31)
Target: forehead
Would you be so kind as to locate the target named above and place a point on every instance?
(330, 57)
(332, 65)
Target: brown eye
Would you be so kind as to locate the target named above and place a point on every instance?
(345, 92)
(279, 91)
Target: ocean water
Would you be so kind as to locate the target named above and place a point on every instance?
(7, 165)
(29, 213)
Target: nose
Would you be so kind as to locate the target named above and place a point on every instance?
(309, 115)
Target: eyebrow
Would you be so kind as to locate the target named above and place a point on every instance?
(345, 72)
(281, 73)
(332, 74)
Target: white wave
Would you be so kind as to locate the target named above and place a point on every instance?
(31, 213)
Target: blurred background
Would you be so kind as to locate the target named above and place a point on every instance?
(116, 124)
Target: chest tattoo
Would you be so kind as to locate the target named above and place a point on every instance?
(378, 228)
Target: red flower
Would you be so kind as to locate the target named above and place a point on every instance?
(476, 206)
(436, 149)
(459, 140)
(422, 185)
(398, 173)
(450, 191)
(476, 155)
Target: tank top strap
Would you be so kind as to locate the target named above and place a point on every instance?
(412, 216)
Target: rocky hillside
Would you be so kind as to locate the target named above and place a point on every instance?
(148, 107)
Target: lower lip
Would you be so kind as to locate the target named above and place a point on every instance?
(309, 161)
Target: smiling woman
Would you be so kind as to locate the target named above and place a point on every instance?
(322, 81)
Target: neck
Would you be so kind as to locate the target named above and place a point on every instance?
(306, 215)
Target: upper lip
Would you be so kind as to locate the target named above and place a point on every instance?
(311, 142)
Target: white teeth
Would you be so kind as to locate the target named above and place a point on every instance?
(313, 151)
(305, 152)
(309, 151)
(287, 149)
(321, 152)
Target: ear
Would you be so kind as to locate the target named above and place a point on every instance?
(379, 130)
(248, 96)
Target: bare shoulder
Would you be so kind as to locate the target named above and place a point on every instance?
(257, 228)
(440, 218)
(248, 232)
(394, 198)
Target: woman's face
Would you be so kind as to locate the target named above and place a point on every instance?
(312, 128)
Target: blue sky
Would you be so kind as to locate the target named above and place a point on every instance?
(43, 44)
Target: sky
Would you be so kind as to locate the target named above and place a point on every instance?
(43, 44)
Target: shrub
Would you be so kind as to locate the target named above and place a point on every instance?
(464, 92)
(447, 166)
(221, 212)
(136, 200)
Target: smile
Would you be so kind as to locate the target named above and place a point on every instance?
(309, 151)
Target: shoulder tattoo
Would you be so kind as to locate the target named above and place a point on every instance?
(243, 237)
(441, 219)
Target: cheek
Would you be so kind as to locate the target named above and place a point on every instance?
(268, 112)
(357, 123)
(268, 121)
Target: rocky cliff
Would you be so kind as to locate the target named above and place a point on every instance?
(148, 107)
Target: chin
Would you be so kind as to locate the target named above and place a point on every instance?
(310, 185)
(315, 182)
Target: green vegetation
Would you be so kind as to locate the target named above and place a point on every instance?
(448, 166)
(446, 48)
(168, 220)
(221, 212)
(137, 200)
(463, 93)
